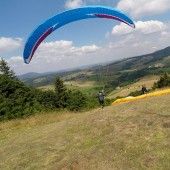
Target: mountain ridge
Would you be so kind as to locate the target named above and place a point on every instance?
(154, 61)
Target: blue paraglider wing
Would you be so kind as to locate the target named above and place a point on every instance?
(53, 23)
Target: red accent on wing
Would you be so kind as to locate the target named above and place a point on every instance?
(39, 41)
(110, 17)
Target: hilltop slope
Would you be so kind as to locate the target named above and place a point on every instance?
(132, 135)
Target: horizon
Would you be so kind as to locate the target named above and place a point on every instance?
(85, 42)
(90, 65)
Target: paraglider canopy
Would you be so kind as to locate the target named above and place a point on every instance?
(53, 23)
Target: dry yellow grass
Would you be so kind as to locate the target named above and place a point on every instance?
(39, 80)
(147, 81)
(128, 136)
(83, 74)
(48, 87)
(36, 120)
(80, 83)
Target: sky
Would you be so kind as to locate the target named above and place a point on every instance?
(83, 42)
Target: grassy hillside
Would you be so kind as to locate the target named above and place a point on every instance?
(89, 87)
(148, 81)
(128, 136)
(92, 88)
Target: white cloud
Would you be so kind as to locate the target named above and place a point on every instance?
(10, 44)
(89, 49)
(121, 29)
(70, 4)
(143, 27)
(63, 47)
(66, 48)
(146, 38)
(150, 27)
(16, 59)
(52, 56)
(16, 63)
(141, 8)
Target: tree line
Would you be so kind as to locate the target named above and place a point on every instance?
(18, 100)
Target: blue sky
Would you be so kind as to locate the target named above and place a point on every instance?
(83, 42)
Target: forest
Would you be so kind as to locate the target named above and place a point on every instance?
(18, 100)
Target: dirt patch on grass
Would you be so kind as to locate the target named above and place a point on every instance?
(166, 125)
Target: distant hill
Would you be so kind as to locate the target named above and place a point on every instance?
(143, 61)
(30, 75)
(114, 74)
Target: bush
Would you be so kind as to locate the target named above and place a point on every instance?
(164, 81)
(135, 93)
(76, 100)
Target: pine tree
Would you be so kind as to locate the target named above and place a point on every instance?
(6, 71)
(61, 93)
(164, 81)
(59, 86)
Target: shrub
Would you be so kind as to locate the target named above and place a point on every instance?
(164, 81)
